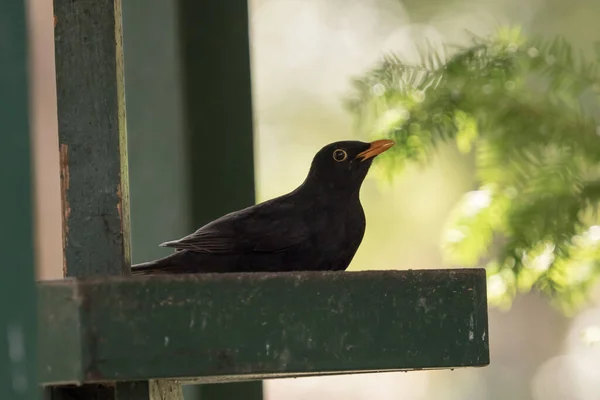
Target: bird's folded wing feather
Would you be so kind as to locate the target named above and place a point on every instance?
(247, 231)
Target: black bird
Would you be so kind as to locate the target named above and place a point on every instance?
(317, 227)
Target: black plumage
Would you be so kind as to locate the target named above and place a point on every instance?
(318, 226)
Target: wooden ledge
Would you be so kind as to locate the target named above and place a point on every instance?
(222, 327)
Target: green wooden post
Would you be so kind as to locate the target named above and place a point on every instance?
(92, 137)
(93, 159)
(18, 314)
(215, 49)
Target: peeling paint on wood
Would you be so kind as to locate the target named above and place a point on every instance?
(66, 208)
(165, 390)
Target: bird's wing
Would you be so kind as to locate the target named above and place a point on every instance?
(268, 228)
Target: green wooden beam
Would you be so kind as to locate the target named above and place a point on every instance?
(17, 278)
(236, 327)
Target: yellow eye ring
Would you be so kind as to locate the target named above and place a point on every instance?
(339, 155)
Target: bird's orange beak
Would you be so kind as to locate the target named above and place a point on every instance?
(377, 147)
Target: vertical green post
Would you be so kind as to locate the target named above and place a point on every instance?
(92, 137)
(18, 313)
(215, 51)
(93, 160)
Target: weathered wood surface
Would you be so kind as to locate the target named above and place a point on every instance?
(257, 326)
(92, 137)
(17, 277)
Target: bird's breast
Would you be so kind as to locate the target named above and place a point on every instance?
(338, 235)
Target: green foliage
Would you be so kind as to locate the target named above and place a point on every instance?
(525, 108)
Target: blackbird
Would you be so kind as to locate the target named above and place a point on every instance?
(317, 227)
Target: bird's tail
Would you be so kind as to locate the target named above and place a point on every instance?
(163, 265)
(180, 262)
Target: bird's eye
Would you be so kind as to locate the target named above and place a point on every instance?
(339, 155)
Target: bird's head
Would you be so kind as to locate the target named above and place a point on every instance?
(344, 165)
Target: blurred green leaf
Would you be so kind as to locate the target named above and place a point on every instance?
(519, 104)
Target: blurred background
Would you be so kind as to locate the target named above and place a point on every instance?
(304, 55)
